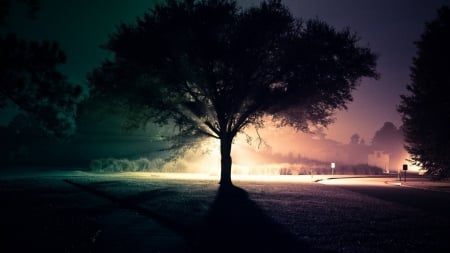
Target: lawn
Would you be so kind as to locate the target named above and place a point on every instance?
(85, 212)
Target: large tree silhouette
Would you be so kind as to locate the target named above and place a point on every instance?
(426, 111)
(212, 69)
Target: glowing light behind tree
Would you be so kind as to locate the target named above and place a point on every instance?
(213, 69)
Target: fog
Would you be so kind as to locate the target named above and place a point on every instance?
(102, 144)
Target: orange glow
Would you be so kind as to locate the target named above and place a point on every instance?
(214, 178)
(282, 150)
(411, 167)
(279, 149)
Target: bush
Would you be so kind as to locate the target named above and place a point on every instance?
(125, 165)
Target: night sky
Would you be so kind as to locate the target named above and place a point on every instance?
(388, 27)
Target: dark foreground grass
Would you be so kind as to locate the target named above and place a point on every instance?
(52, 215)
(37, 216)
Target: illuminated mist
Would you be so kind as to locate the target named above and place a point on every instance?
(102, 145)
(272, 151)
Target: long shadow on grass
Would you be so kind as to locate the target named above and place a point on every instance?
(237, 224)
(234, 224)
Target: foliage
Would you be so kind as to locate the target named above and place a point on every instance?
(426, 111)
(125, 165)
(388, 133)
(142, 164)
(357, 169)
(5, 7)
(388, 138)
(30, 79)
(212, 69)
(355, 139)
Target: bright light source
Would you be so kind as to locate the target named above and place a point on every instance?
(208, 177)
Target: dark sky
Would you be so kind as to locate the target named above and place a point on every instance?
(388, 27)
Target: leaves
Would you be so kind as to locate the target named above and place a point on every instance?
(426, 111)
(29, 78)
(212, 68)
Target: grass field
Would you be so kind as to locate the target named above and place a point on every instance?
(139, 212)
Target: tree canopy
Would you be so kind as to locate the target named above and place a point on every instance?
(5, 6)
(212, 69)
(426, 111)
(387, 137)
(30, 79)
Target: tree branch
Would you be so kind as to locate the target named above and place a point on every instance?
(214, 129)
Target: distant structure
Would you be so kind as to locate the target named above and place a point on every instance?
(379, 159)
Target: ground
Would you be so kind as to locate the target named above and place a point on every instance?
(76, 211)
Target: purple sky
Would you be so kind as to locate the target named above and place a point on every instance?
(388, 27)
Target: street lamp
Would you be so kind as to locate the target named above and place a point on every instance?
(333, 165)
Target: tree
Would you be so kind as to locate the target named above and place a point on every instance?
(5, 7)
(362, 141)
(355, 139)
(213, 69)
(426, 111)
(30, 79)
(389, 139)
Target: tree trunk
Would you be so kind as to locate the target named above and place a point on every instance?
(225, 170)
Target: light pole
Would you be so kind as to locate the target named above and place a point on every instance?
(333, 165)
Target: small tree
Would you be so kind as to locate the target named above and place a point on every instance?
(355, 139)
(426, 111)
(213, 69)
(30, 79)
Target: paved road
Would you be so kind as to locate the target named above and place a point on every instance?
(433, 202)
(417, 194)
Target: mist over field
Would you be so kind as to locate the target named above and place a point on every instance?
(103, 145)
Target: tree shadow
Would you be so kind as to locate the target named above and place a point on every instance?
(236, 224)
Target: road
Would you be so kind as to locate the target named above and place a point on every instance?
(433, 202)
(431, 197)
